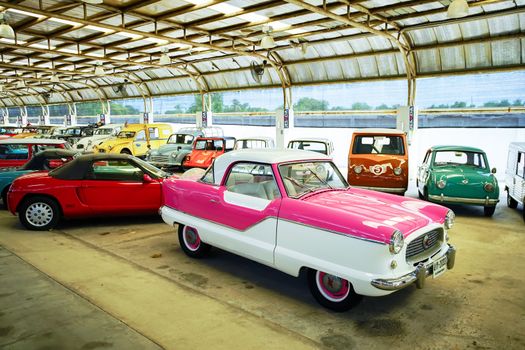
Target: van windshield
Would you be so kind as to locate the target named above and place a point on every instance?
(126, 134)
(378, 144)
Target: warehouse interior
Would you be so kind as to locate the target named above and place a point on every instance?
(443, 72)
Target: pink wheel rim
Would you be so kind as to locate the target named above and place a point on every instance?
(333, 288)
(191, 237)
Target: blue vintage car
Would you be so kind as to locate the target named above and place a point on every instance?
(45, 160)
(458, 175)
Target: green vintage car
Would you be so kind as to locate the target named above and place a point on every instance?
(458, 175)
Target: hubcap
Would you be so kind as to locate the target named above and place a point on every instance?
(191, 238)
(333, 288)
(39, 214)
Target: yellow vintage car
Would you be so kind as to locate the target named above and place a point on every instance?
(136, 139)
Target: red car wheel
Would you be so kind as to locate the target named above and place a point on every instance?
(39, 213)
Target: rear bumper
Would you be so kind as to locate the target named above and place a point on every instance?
(475, 201)
(418, 276)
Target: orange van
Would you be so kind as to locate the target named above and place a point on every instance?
(378, 160)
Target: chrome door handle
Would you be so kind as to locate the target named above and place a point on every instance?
(213, 201)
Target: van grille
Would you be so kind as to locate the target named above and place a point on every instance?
(427, 242)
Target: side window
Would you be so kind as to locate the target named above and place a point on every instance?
(141, 136)
(153, 133)
(426, 161)
(520, 171)
(115, 170)
(208, 176)
(255, 180)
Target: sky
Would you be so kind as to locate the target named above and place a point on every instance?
(476, 89)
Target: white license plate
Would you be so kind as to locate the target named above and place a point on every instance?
(439, 266)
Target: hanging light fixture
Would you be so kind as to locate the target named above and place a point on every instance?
(55, 79)
(164, 58)
(93, 2)
(99, 70)
(6, 31)
(267, 41)
(20, 84)
(457, 9)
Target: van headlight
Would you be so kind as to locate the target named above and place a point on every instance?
(396, 242)
(358, 169)
(488, 187)
(398, 171)
(441, 184)
(449, 219)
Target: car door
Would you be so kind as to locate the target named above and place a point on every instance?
(140, 144)
(423, 170)
(518, 185)
(244, 209)
(118, 186)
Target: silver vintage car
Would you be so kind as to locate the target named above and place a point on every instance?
(171, 155)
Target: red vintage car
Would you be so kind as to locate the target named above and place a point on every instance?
(17, 152)
(89, 185)
(206, 149)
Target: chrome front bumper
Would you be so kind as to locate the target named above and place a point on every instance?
(384, 189)
(417, 276)
(476, 201)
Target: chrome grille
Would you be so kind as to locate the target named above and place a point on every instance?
(426, 242)
(159, 159)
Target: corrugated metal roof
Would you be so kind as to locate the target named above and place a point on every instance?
(312, 46)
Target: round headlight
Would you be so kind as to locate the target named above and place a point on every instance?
(358, 169)
(449, 219)
(398, 171)
(89, 143)
(488, 187)
(396, 242)
(441, 184)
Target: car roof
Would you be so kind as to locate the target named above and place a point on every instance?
(519, 145)
(311, 139)
(269, 156)
(379, 131)
(76, 169)
(32, 141)
(456, 148)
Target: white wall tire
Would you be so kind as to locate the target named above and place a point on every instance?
(191, 243)
(332, 292)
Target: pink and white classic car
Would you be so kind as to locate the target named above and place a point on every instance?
(293, 211)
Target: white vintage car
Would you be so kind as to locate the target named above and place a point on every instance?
(100, 135)
(293, 211)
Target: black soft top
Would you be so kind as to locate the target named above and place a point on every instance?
(38, 162)
(77, 168)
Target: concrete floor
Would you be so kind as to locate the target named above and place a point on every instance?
(130, 274)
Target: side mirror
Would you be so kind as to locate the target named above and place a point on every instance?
(146, 178)
(493, 170)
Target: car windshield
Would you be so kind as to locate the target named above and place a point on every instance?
(304, 177)
(250, 143)
(209, 145)
(73, 131)
(455, 158)
(104, 131)
(378, 144)
(126, 134)
(181, 139)
(152, 169)
(314, 146)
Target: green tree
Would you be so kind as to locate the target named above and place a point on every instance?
(518, 102)
(177, 109)
(217, 103)
(310, 104)
(119, 109)
(458, 104)
(361, 106)
(89, 108)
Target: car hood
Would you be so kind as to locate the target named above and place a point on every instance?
(173, 147)
(30, 180)
(370, 214)
(115, 142)
(94, 138)
(203, 156)
(456, 174)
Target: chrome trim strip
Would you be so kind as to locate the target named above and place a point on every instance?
(417, 276)
(383, 189)
(442, 198)
(281, 219)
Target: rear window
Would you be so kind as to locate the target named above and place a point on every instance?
(378, 144)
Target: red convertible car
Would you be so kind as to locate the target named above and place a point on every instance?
(89, 185)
